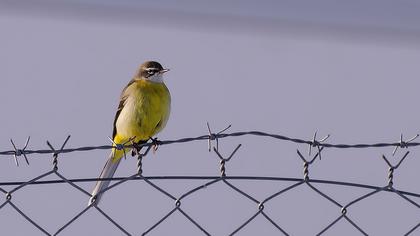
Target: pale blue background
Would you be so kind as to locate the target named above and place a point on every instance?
(345, 68)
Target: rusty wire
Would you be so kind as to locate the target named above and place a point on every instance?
(224, 178)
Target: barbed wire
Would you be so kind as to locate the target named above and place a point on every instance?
(216, 136)
(224, 178)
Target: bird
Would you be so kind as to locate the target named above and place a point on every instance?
(143, 111)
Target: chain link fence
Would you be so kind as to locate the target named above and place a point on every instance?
(315, 150)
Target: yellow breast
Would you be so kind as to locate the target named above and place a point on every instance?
(145, 112)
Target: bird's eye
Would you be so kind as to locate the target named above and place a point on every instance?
(150, 72)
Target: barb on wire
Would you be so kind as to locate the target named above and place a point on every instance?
(122, 146)
(316, 143)
(403, 144)
(215, 136)
(19, 152)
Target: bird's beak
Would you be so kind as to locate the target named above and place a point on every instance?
(163, 71)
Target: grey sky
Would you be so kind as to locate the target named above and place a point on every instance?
(347, 70)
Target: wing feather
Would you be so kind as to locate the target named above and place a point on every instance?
(123, 99)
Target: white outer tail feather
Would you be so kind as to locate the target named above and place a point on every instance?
(107, 172)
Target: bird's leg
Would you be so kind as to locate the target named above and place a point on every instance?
(137, 147)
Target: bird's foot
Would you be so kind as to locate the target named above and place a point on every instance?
(155, 144)
(135, 151)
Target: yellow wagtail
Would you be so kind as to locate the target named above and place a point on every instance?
(143, 111)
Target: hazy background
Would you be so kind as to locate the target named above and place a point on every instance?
(345, 68)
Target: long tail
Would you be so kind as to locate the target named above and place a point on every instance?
(107, 172)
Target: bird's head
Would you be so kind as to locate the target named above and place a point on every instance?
(151, 71)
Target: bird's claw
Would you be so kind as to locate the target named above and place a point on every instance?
(155, 144)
